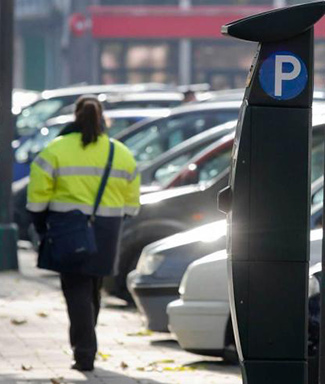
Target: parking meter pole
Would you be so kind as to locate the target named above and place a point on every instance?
(8, 231)
(322, 308)
(268, 199)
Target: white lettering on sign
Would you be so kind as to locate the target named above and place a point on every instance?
(281, 76)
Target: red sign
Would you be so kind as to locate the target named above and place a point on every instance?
(78, 24)
(170, 22)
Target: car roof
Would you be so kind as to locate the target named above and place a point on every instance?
(238, 93)
(143, 96)
(97, 89)
(114, 113)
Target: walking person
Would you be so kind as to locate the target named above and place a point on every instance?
(81, 186)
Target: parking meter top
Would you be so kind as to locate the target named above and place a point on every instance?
(276, 25)
(285, 54)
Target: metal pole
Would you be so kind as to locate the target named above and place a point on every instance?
(322, 311)
(185, 52)
(8, 230)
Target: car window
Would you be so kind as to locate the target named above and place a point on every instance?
(145, 145)
(161, 136)
(214, 166)
(149, 130)
(317, 157)
(318, 197)
(27, 151)
(183, 127)
(221, 117)
(118, 124)
(168, 170)
(31, 117)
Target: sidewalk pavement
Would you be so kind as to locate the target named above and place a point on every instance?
(34, 344)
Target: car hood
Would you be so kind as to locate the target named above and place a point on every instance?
(205, 233)
(156, 197)
(206, 279)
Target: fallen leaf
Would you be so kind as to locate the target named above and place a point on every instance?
(67, 351)
(103, 356)
(58, 380)
(42, 314)
(124, 365)
(179, 369)
(145, 332)
(165, 361)
(18, 321)
(26, 367)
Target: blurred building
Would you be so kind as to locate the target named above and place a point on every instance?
(38, 51)
(63, 42)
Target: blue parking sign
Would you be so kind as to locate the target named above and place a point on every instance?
(283, 75)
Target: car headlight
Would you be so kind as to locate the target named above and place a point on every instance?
(149, 263)
(314, 287)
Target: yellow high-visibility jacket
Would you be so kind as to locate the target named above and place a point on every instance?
(66, 176)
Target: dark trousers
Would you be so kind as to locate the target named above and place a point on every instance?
(82, 295)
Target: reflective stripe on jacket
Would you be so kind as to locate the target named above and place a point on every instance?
(66, 176)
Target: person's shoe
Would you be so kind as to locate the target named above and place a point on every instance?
(82, 367)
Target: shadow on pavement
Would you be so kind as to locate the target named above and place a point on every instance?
(213, 365)
(99, 376)
(168, 343)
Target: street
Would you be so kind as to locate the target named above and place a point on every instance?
(34, 344)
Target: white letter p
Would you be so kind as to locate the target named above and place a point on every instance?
(281, 76)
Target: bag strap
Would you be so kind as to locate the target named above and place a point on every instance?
(104, 179)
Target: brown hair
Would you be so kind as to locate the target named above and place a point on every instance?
(89, 118)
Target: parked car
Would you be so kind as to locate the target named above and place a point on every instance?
(21, 216)
(155, 281)
(116, 121)
(163, 169)
(164, 134)
(200, 318)
(148, 140)
(188, 201)
(52, 103)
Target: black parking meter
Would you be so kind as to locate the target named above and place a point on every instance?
(267, 200)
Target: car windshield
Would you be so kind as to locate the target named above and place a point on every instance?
(168, 170)
(214, 166)
(164, 134)
(27, 151)
(33, 116)
(118, 124)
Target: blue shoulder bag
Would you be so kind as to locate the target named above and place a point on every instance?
(70, 235)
